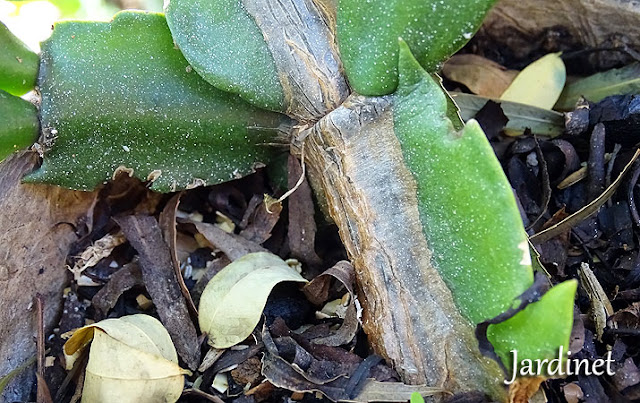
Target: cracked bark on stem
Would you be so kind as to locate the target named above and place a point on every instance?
(409, 313)
(357, 166)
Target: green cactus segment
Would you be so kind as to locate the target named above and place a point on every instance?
(467, 207)
(18, 124)
(537, 332)
(368, 33)
(471, 220)
(18, 64)
(226, 47)
(120, 94)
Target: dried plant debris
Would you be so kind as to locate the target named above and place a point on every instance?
(288, 364)
(126, 278)
(481, 75)
(302, 227)
(521, 117)
(348, 308)
(159, 277)
(260, 221)
(167, 222)
(96, 252)
(232, 245)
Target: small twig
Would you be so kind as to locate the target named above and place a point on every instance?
(585, 212)
(43, 394)
(631, 197)
(596, 170)
(269, 200)
(546, 185)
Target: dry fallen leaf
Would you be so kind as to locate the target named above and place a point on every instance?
(35, 242)
(131, 359)
(482, 76)
(317, 291)
(539, 84)
(231, 304)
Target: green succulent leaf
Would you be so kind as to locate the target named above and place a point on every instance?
(469, 215)
(226, 47)
(18, 124)
(539, 330)
(368, 33)
(18, 64)
(119, 96)
(467, 206)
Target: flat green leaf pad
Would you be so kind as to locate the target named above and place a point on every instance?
(18, 124)
(226, 47)
(471, 221)
(120, 96)
(18, 64)
(368, 33)
(467, 207)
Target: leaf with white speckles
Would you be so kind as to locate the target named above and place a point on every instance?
(539, 330)
(18, 124)
(471, 220)
(119, 94)
(225, 46)
(18, 64)
(368, 33)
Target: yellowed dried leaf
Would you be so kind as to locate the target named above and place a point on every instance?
(131, 359)
(539, 84)
(232, 302)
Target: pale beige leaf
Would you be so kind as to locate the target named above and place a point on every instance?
(141, 332)
(232, 302)
(132, 359)
(539, 84)
(119, 373)
(482, 76)
(110, 358)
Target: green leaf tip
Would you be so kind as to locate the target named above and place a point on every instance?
(119, 97)
(18, 124)
(18, 64)
(416, 398)
(538, 331)
(467, 207)
(225, 46)
(434, 29)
